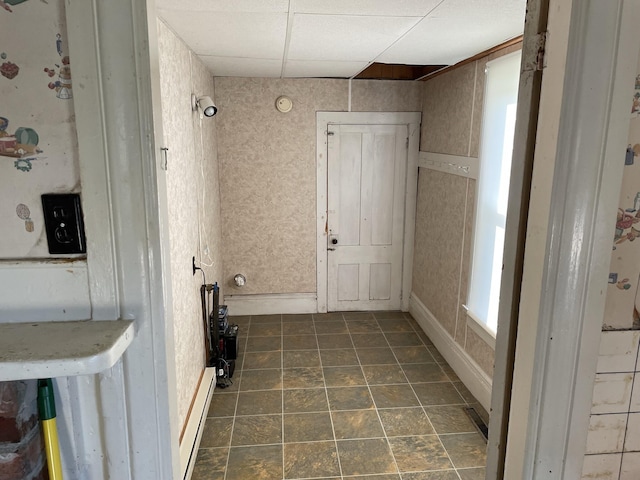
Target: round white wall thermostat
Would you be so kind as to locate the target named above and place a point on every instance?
(284, 104)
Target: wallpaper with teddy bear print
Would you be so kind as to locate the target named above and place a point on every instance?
(38, 141)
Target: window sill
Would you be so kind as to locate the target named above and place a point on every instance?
(481, 330)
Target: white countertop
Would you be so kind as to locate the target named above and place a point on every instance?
(60, 349)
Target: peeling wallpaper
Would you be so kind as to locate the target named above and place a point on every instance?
(38, 142)
(451, 124)
(194, 211)
(268, 172)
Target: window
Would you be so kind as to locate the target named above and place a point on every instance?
(496, 145)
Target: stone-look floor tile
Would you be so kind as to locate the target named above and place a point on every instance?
(383, 374)
(376, 356)
(217, 432)
(358, 315)
(362, 457)
(327, 317)
(388, 396)
(309, 460)
(331, 328)
(393, 315)
(210, 464)
(369, 340)
(339, 340)
(424, 372)
(339, 358)
(472, 473)
(392, 476)
(441, 393)
(343, 376)
(260, 402)
(399, 325)
(440, 475)
(239, 319)
(453, 376)
(419, 453)
(307, 377)
(276, 318)
(222, 405)
(357, 424)
(403, 339)
(270, 379)
(307, 427)
(405, 421)
(257, 430)
(349, 398)
(299, 342)
(423, 336)
(449, 419)
(363, 326)
(437, 356)
(264, 344)
(253, 360)
(255, 463)
(466, 450)
(265, 330)
(300, 358)
(413, 354)
(298, 328)
(305, 400)
(297, 317)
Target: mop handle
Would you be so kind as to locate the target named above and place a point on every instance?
(47, 411)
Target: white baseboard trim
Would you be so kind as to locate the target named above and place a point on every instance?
(475, 379)
(265, 304)
(195, 423)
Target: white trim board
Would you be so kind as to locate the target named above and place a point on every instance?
(474, 378)
(267, 304)
(195, 423)
(453, 164)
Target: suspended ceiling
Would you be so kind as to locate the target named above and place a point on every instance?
(337, 38)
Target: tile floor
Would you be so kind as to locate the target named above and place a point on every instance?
(339, 396)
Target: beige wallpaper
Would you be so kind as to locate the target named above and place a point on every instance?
(194, 211)
(268, 172)
(451, 124)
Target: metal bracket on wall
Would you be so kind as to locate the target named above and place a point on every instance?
(165, 161)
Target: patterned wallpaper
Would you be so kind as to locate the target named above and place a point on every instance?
(622, 308)
(38, 142)
(268, 172)
(194, 211)
(451, 121)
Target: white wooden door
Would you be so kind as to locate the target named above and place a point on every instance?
(365, 216)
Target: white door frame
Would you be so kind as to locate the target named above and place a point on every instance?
(323, 120)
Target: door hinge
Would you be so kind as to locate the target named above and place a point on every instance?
(330, 133)
(407, 143)
(536, 54)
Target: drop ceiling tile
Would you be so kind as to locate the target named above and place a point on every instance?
(241, 67)
(251, 35)
(436, 41)
(406, 8)
(344, 38)
(305, 68)
(224, 5)
(497, 10)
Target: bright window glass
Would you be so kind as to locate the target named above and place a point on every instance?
(496, 146)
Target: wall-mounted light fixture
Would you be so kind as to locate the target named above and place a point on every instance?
(240, 280)
(205, 104)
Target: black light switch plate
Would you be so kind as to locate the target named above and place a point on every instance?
(63, 222)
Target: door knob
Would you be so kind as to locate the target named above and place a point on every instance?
(334, 241)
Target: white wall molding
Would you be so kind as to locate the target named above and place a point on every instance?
(475, 379)
(195, 423)
(453, 164)
(266, 304)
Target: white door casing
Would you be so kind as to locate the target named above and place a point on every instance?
(366, 191)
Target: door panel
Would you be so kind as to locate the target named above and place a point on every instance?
(366, 191)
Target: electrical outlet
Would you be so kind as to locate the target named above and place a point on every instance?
(63, 222)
